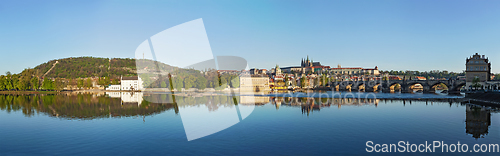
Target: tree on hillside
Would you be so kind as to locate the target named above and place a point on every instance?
(107, 82)
(8, 83)
(2, 85)
(201, 82)
(115, 81)
(35, 83)
(178, 83)
(100, 81)
(79, 83)
(235, 82)
(88, 83)
(72, 83)
(188, 82)
(24, 84)
(15, 82)
(59, 84)
(47, 84)
(163, 84)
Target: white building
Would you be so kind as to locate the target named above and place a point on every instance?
(128, 83)
(131, 83)
(113, 87)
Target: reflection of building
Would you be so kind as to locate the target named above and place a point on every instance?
(308, 104)
(114, 94)
(257, 100)
(254, 83)
(128, 98)
(477, 121)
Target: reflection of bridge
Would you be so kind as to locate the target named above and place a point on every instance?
(405, 85)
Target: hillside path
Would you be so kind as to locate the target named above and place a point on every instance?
(54, 65)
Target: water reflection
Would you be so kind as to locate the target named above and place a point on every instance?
(124, 104)
(308, 104)
(477, 121)
(81, 106)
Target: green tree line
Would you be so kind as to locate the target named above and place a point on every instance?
(190, 78)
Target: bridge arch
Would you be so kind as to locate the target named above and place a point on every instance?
(456, 88)
(377, 87)
(434, 86)
(345, 86)
(359, 86)
(393, 87)
(415, 86)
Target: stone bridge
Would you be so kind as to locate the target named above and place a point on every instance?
(405, 85)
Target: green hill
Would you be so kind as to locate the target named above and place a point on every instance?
(65, 73)
(81, 67)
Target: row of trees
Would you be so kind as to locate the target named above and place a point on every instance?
(27, 80)
(193, 79)
(24, 82)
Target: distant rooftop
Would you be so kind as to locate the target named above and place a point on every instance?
(130, 78)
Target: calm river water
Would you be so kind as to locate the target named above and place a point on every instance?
(275, 124)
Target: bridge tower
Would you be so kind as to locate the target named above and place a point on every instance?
(478, 67)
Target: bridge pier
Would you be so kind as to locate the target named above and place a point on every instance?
(428, 89)
(369, 89)
(354, 88)
(386, 90)
(406, 91)
(454, 92)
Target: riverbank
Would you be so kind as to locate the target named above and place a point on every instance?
(28, 92)
(485, 98)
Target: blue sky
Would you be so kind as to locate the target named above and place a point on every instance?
(393, 35)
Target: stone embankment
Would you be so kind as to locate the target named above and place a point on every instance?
(485, 98)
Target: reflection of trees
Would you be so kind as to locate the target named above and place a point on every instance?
(477, 121)
(309, 104)
(211, 102)
(80, 106)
